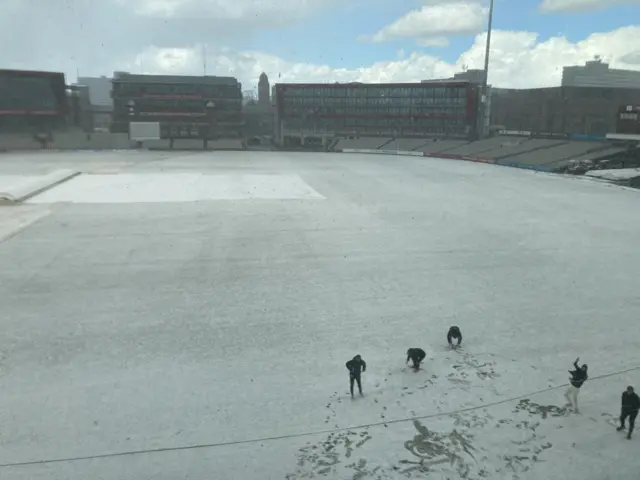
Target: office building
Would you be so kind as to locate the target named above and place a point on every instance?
(201, 107)
(596, 73)
(264, 92)
(100, 106)
(434, 109)
(568, 110)
(33, 101)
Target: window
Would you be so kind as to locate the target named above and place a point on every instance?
(27, 93)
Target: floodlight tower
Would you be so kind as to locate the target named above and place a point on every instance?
(485, 88)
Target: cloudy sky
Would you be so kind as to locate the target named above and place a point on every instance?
(319, 40)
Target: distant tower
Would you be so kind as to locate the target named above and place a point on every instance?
(264, 91)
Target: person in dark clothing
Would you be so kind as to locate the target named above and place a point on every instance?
(578, 377)
(416, 355)
(454, 332)
(356, 366)
(630, 407)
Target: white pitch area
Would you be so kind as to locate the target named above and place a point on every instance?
(177, 187)
(148, 328)
(8, 182)
(14, 219)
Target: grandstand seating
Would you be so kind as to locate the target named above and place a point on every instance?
(441, 146)
(362, 143)
(512, 152)
(535, 157)
(478, 148)
(404, 144)
(536, 153)
(571, 150)
(563, 154)
(595, 155)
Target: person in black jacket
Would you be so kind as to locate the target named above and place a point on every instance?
(454, 332)
(578, 377)
(416, 355)
(356, 366)
(630, 407)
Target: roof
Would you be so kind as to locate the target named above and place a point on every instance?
(177, 79)
(4, 71)
(450, 83)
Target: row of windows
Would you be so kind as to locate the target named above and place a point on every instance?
(373, 101)
(377, 122)
(135, 89)
(572, 124)
(27, 93)
(174, 116)
(179, 103)
(169, 106)
(318, 111)
(421, 91)
(183, 131)
(461, 132)
(221, 110)
(628, 116)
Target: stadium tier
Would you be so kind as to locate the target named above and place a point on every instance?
(32, 101)
(187, 107)
(418, 110)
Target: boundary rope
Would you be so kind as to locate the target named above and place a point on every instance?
(301, 434)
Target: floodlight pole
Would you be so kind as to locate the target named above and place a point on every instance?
(485, 88)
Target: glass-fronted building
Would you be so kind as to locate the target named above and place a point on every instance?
(437, 109)
(201, 107)
(32, 101)
(628, 121)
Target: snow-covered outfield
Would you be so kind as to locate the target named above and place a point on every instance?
(477, 428)
(192, 318)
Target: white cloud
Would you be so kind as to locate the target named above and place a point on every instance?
(97, 38)
(260, 11)
(436, 22)
(631, 58)
(518, 60)
(87, 34)
(553, 6)
(433, 42)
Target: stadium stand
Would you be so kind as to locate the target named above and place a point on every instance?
(601, 154)
(566, 154)
(395, 143)
(441, 146)
(362, 143)
(194, 144)
(574, 150)
(550, 155)
(409, 144)
(478, 148)
(513, 151)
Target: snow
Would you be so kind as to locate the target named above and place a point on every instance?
(615, 175)
(9, 181)
(15, 219)
(142, 326)
(16, 188)
(185, 187)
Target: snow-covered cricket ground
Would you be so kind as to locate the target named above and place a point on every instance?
(201, 332)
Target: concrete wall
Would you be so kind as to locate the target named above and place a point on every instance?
(77, 140)
(73, 140)
(561, 109)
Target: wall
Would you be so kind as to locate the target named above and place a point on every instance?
(598, 74)
(561, 109)
(71, 140)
